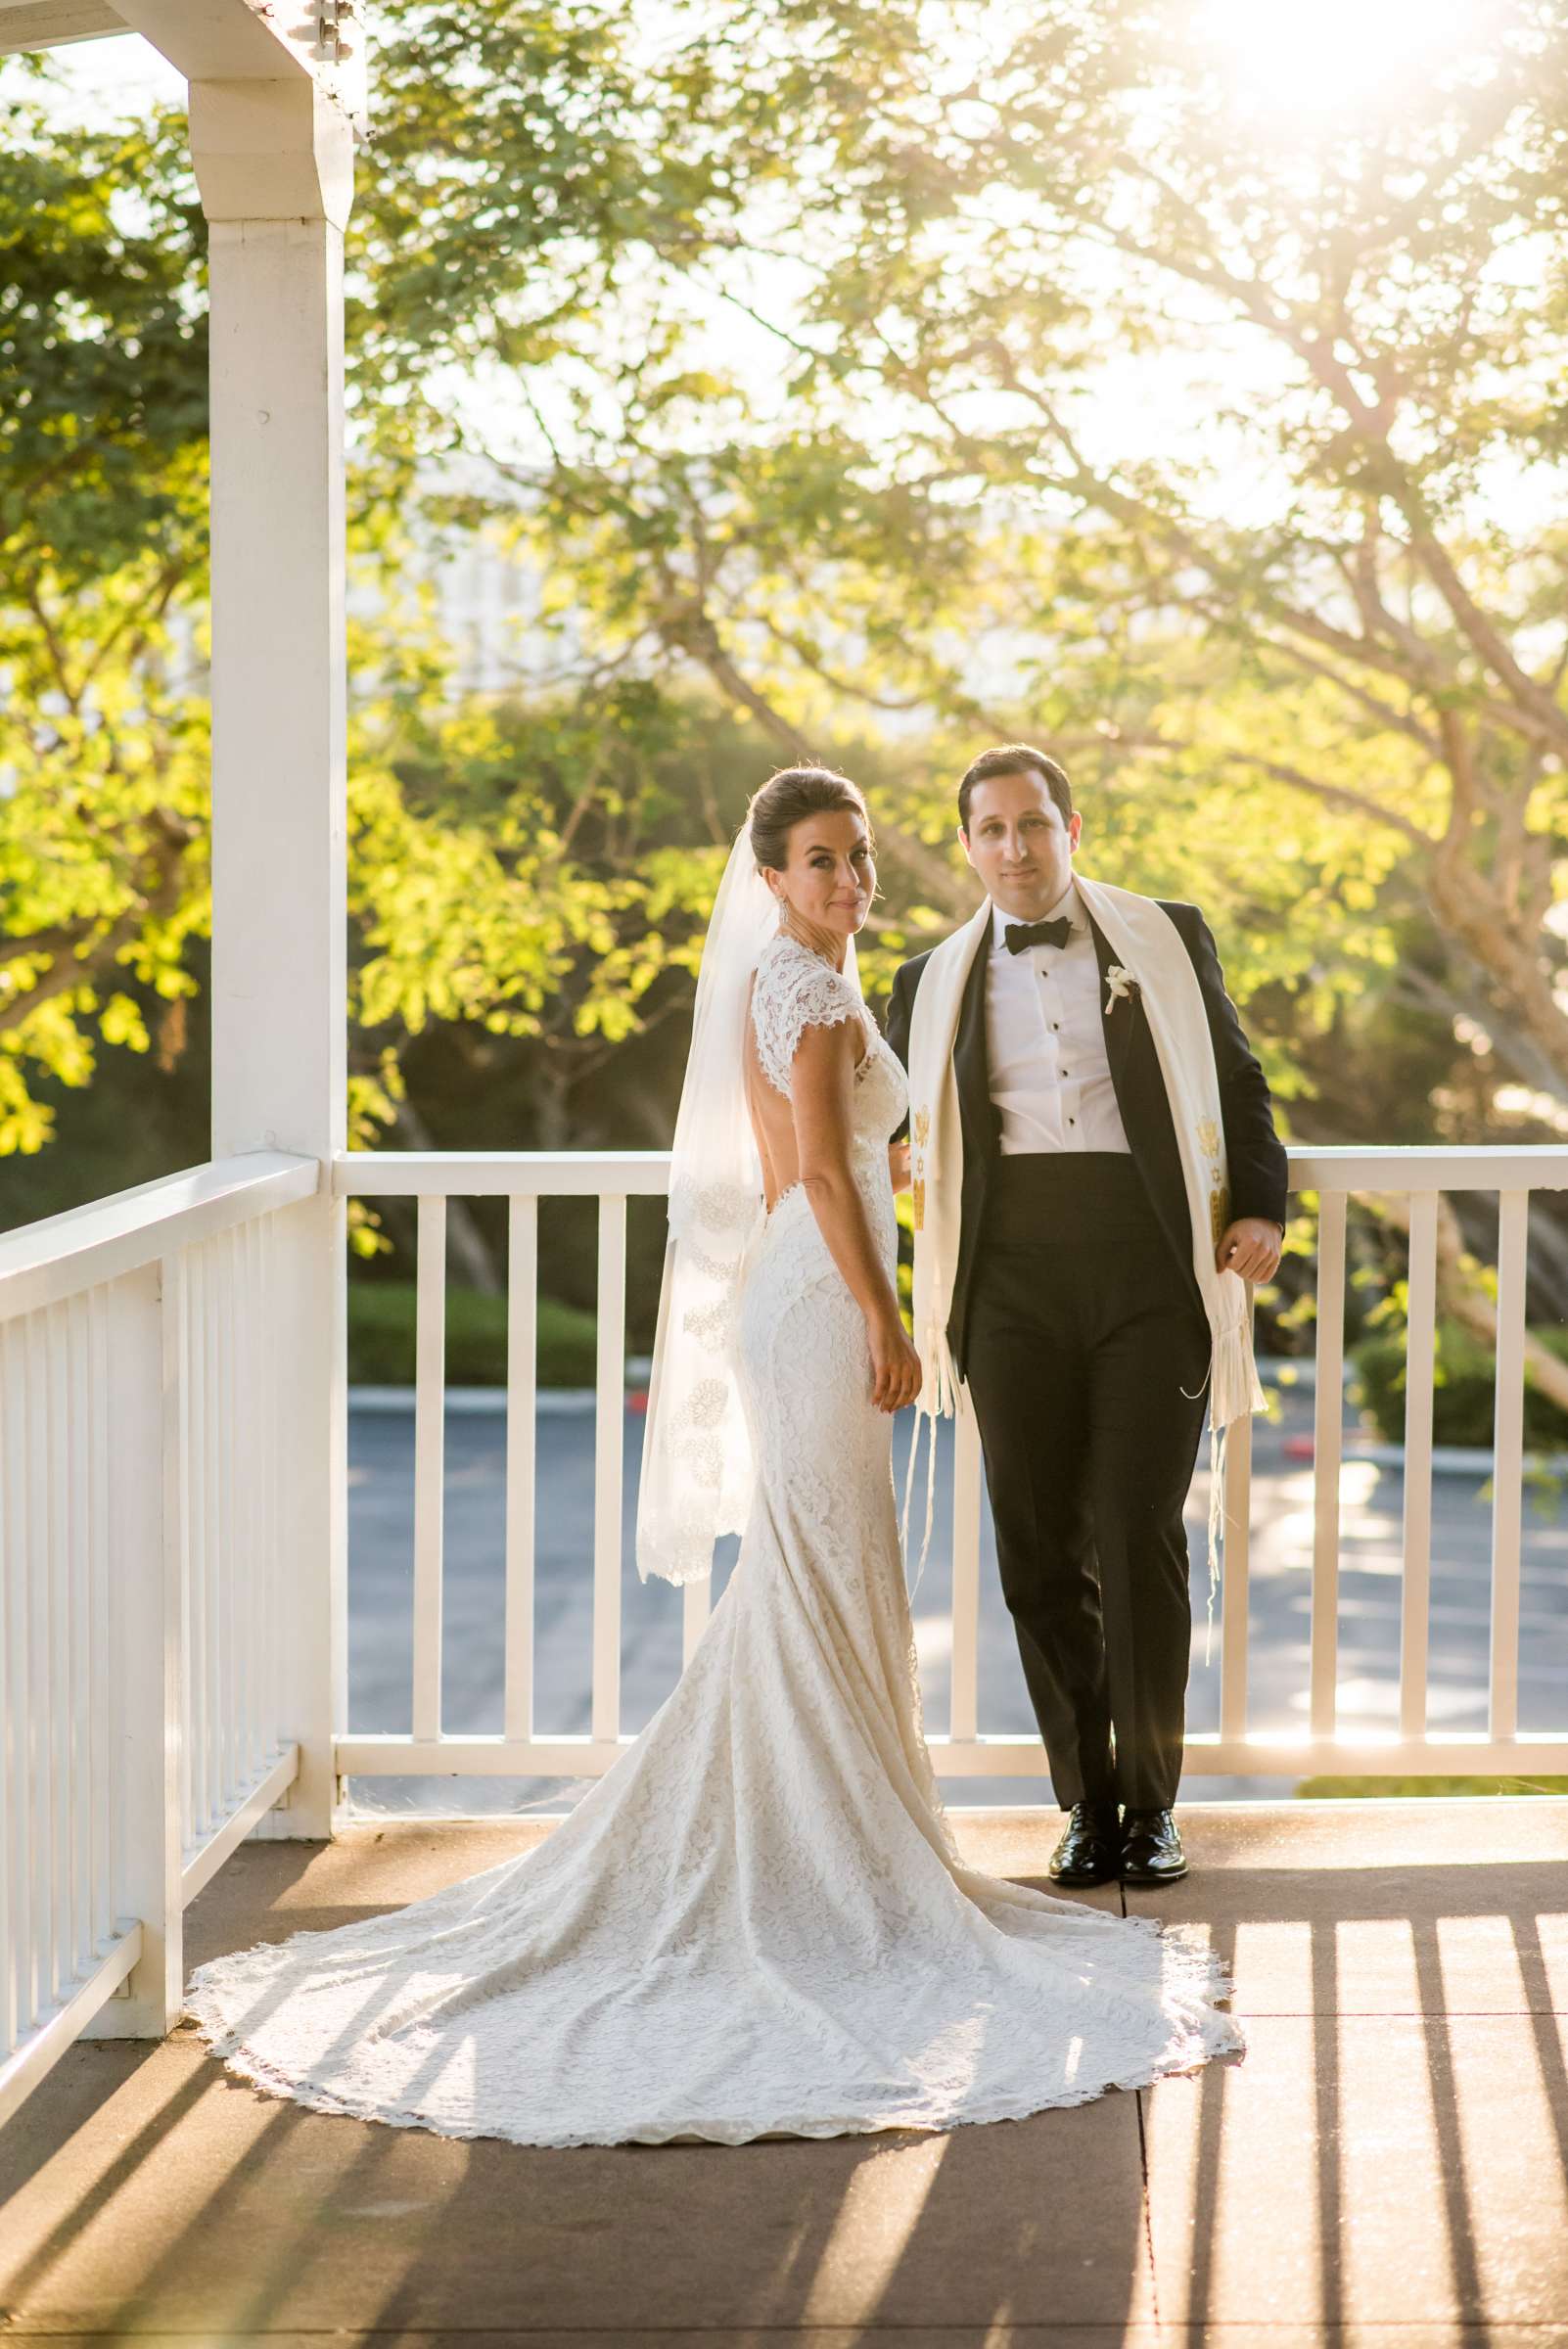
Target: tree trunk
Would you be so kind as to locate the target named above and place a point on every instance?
(467, 1247)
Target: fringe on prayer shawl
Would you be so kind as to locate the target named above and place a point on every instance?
(941, 1398)
(1234, 1391)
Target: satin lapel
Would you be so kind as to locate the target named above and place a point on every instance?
(1116, 1025)
(971, 1060)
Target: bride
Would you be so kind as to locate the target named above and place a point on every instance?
(757, 1921)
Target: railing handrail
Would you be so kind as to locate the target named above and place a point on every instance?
(500, 1173)
(61, 1255)
(562, 1173)
(1429, 1166)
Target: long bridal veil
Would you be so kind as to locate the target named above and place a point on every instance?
(698, 1473)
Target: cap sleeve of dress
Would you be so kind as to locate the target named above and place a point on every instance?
(795, 990)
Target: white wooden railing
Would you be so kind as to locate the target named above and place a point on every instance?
(167, 1591)
(145, 1667)
(523, 1179)
(969, 1750)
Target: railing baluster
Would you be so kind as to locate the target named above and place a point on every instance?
(16, 1924)
(1235, 1582)
(232, 1560)
(58, 1568)
(266, 1568)
(79, 1498)
(227, 1560)
(41, 1743)
(1415, 1587)
(242, 1566)
(212, 1474)
(149, 1366)
(1327, 1442)
(430, 1438)
(200, 1551)
(1507, 1461)
(218, 1606)
(609, 1414)
(964, 1680)
(176, 1285)
(273, 1616)
(250, 1503)
(522, 1376)
(262, 1565)
(247, 1497)
(104, 1676)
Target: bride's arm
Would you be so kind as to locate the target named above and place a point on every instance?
(822, 1081)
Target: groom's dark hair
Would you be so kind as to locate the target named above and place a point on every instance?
(1008, 759)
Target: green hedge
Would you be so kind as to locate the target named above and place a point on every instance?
(380, 1338)
(1465, 1388)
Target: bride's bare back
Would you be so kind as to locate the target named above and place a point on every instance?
(772, 1117)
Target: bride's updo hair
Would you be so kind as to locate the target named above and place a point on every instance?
(787, 799)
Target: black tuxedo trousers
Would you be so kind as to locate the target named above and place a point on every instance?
(1088, 1358)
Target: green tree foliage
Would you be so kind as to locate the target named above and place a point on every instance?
(862, 423)
(103, 534)
(946, 374)
(511, 895)
(1311, 642)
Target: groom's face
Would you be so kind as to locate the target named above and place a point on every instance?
(1018, 842)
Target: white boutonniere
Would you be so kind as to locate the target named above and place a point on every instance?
(1120, 983)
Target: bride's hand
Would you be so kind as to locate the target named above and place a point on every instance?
(898, 1165)
(894, 1364)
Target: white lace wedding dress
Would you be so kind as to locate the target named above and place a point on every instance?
(757, 1921)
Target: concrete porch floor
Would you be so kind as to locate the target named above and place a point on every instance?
(1389, 2163)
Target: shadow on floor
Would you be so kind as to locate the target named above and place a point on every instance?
(1392, 2153)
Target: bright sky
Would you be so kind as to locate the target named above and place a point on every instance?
(103, 80)
(1333, 55)
(1302, 60)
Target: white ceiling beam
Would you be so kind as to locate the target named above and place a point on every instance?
(271, 40)
(226, 40)
(55, 24)
(307, 42)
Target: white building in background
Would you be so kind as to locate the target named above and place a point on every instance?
(490, 602)
(490, 608)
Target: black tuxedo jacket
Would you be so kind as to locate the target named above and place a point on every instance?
(1254, 1157)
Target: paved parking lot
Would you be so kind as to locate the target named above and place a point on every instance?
(381, 1589)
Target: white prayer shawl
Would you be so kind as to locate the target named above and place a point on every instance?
(1150, 955)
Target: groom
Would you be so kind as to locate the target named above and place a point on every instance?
(1076, 1315)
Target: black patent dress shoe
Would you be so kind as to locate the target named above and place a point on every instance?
(1091, 1849)
(1151, 1848)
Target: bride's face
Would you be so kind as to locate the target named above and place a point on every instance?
(829, 879)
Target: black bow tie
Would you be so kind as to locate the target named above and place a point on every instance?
(1020, 934)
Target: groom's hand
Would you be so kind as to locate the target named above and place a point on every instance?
(898, 1165)
(1251, 1246)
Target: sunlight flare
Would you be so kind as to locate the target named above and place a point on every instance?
(1335, 57)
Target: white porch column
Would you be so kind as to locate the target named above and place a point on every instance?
(274, 162)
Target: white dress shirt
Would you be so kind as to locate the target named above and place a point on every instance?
(1049, 1076)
